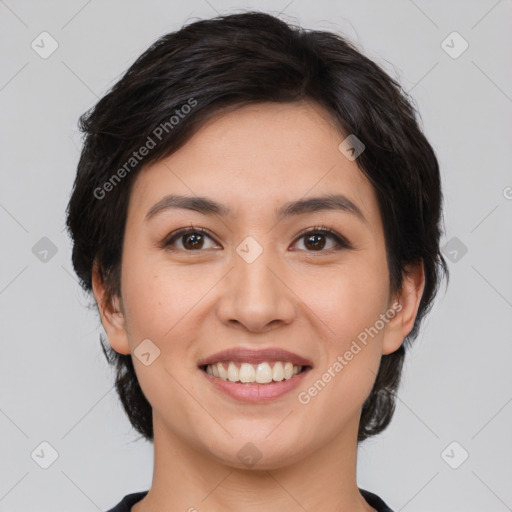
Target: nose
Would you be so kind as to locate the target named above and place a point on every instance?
(257, 296)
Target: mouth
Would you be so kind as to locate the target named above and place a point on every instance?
(254, 375)
(265, 372)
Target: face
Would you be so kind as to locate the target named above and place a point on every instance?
(265, 274)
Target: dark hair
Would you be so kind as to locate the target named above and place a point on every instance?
(224, 63)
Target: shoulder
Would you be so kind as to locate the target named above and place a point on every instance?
(128, 501)
(375, 501)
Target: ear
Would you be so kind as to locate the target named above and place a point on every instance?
(405, 307)
(111, 314)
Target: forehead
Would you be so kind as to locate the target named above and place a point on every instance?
(258, 157)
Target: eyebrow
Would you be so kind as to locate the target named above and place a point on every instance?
(207, 206)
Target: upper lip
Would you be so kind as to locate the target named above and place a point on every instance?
(254, 356)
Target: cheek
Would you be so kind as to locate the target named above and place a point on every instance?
(349, 305)
(158, 304)
(351, 355)
(146, 306)
(349, 300)
(157, 298)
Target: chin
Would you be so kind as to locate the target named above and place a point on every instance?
(246, 452)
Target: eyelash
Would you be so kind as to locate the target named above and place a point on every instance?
(341, 242)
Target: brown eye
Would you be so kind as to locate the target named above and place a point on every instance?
(315, 240)
(193, 241)
(190, 239)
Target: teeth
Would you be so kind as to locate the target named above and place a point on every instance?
(278, 372)
(288, 370)
(247, 373)
(233, 373)
(223, 374)
(262, 373)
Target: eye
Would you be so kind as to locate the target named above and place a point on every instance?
(191, 239)
(315, 239)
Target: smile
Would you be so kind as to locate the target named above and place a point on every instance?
(254, 383)
(262, 373)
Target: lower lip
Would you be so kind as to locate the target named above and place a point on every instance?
(255, 393)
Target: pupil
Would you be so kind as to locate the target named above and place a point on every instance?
(315, 244)
(196, 237)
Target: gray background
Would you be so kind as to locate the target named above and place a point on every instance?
(55, 383)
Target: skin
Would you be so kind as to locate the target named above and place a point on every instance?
(311, 302)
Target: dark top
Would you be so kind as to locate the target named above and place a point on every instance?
(129, 500)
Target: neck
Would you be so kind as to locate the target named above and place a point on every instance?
(187, 479)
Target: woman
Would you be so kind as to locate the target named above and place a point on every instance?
(257, 214)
